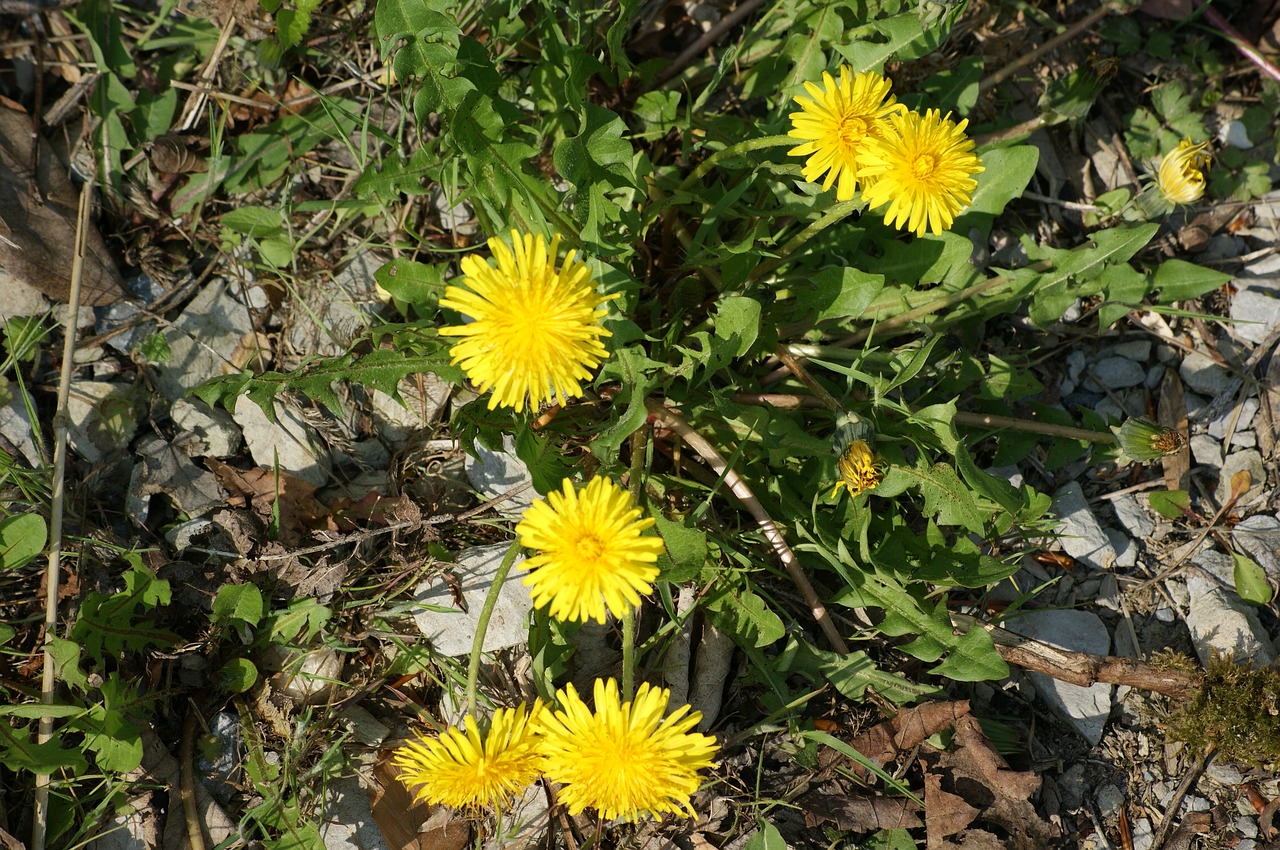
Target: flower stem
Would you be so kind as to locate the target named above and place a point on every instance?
(830, 217)
(635, 483)
(733, 150)
(482, 624)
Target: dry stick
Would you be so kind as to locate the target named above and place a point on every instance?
(740, 489)
(1052, 44)
(1188, 781)
(187, 781)
(1081, 668)
(40, 826)
(699, 47)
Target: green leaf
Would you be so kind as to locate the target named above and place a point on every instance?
(238, 603)
(946, 498)
(1178, 280)
(956, 88)
(852, 673)
(418, 284)
(1170, 504)
(1075, 272)
(22, 538)
(66, 662)
(548, 467)
(850, 753)
(846, 292)
(1251, 581)
(19, 752)
(1007, 171)
(973, 659)
(35, 709)
(686, 550)
(738, 323)
(745, 616)
(237, 676)
(767, 837)
(253, 221)
(288, 625)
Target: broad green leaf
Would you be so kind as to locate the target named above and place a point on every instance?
(19, 752)
(34, 710)
(844, 292)
(66, 662)
(745, 615)
(852, 673)
(1251, 581)
(238, 603)
(686, 550)
(767, 837)
(973, 659)
(955, 88)
(1170, 504)
(237, 676)
(1178, 280)
(738, 323)
(1007, 171)
(548, 467)
(22, 538)
(1075, 272)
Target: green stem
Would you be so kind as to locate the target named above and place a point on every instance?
(733, 150)
(482, 625)
(830, 217)
(635, 484)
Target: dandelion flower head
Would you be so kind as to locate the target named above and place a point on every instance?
(859, 469)
(469, 768)
(1181, 175)
(592, 555)
(922, 166)
(835, 121)
(624, 759)
(535, 335)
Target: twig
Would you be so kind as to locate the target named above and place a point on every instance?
(40, 825)
(1248, 50)
(740, 489)
(187, 781)
(1052, 44)
(991, 420)
(699, 47)
(1188, 781)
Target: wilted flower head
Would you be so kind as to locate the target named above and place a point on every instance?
(535, 334)
(592, 553)
(860, 470)
(834, 121)
(1181, 176)
(472, 767)
(1142, 440)
(624, 759)
(922, 167)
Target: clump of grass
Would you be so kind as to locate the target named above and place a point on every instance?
(1237, 710)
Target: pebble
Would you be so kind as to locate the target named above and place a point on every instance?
(286, 442)
(1083, 631)
(1224, 774)
(418, 408)
(1165, 614)
(103, 419)
(1248, 460)
(363, 726)
(222, 773)
(1075, 366)
(1203, 374)
(1259, 537)
(347, 822)
(1255, 312)
(1143, 835)
(1220, 623)
(1138, 350)
(1071, 786)
(1134, 515)
(494, 473)
(1079, 532)
(1126, 550)
(1110, 799)
(214, 426)
(199, 340)
(1248, 408)
(16, 426)
(1233, 133)
(450, 629)
(1196, 804)
(1206, 450)
(1115, 373)
(1247, 827)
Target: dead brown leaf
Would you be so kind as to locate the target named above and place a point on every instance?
(1172, 413)
(859, 813)
(944, 813)
(409, 824)
(273, 494)
(38, 221)
(885, 741)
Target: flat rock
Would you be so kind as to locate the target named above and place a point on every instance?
(1079, 532)
(422, 398)
(1115, 373)
(19, 298)
(1126, 549)
(1138, 350)
(103, 420)
(1083, 631)
(326, 318)
(1134, 516)
(1221, 623)
(451, 630)
(201, 340)
(347, 821)
(1259, 537)
(1203, 374)
(1248, 409)
(15, 425)
(1206, 450)
(287, 441)
(1256, 312)
(214, 427)
(1248, 460)
(494, 473)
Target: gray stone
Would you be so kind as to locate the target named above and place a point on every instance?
(1220, 622)
(495, 473)
(1134, 516)
(1126, 550)
(1075, 366)
(326, 318)
(452, 630)
(1224, 774)
(222, 773)
(1143, 834)
(1083, 631)
(166, 469)
(1211, 569)
(419, 407)
(1206, 450)
(1256, 312)
(286, 442)
(363, 726)
(1259, 537)
(1218, 427)
(1071, 786)
(19, 298)
(1110, 799)
(15, 425)
(1247, 827)
(1115, 373)
(212, 425)
(1138, 350)
(1203, 374)
(1079, 532)
(1165, 614)
(201, 340)
(347, 821)
(103, 420)
(1244, 440)
(1248, 460)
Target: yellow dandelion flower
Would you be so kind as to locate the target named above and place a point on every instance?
(536, 330)
(1181, 176)
(834, 121)
(467, 768)
(591, 553)
(922, 166)
(625, 759)
(859, 469)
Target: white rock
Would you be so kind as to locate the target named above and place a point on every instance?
(1082, 631)
(1233, 133)
(1248, 460)
(1255, 312)
(1206, 450)
(1134, 516)
(1220, 622)
(494, 473)
(103, 420)
(201, 340)
(1259, 537)
(1165, 614)
(1247, 827)
(1115, 373)
(214, 426)
(452, 630)
(1218, 427)
(1126, 550)
(19, 298)
(1203, 374)
(1079, 532)
(1143, 834)
(287, 441)
(1212, 569)
(420, 408)
(363, 726)
(347, 821)
(326, 318)
(1244, 440)
(1224, 774)
(1110, 799)
(15, 425)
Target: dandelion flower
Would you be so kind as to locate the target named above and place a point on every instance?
(536, 330)
(468, 769)
(922, 166)
(1181, 176)
(860, 470)
(1142, 440)
(591, 553)
(624, 759)
(834, 122)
